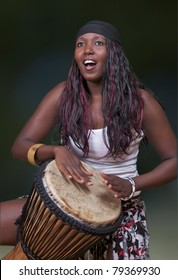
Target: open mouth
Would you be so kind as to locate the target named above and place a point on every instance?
(89, 64)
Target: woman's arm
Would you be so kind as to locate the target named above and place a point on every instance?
(39, 126)
(161, 136)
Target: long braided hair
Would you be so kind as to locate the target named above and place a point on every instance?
(122, 105)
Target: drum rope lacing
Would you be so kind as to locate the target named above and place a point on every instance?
(49, 203)
(54, 210)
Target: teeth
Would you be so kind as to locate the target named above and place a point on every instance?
(88, 61)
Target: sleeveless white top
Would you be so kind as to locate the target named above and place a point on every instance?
(124, 166)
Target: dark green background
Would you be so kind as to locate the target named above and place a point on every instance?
(36, 50)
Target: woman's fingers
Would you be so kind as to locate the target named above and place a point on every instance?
(109, 180)
(116, 184)
(71, 166)
(77, 173)
(85, 171)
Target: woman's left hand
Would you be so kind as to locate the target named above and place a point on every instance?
(121, 187)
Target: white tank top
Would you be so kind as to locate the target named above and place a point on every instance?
(124, 166)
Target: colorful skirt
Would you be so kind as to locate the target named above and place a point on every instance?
(130, 241)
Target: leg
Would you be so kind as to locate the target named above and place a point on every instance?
(131, 241)
(9, 212)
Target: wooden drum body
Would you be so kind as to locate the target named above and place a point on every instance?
(63, 219)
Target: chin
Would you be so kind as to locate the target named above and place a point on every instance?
(92, 77)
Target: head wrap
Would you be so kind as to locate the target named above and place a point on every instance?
(100, 27)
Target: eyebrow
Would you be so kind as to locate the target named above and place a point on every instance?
(94, 38)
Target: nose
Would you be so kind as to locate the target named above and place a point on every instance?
(88, 49)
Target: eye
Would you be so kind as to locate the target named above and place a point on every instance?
(80, 44)
(99, 43)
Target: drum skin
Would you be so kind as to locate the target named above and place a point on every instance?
(63, 219)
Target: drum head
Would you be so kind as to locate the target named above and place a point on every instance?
(94, 204)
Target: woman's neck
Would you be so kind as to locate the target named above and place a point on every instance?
(95, 89)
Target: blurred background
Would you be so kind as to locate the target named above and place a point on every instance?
(36, 50)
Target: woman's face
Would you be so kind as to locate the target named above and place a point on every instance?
(90, 55)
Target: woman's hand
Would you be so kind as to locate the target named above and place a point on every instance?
(122, 187)
(71, 166)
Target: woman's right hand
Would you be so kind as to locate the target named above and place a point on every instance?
(71, 166)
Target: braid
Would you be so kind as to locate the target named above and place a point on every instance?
(122, 105)
(73, 114)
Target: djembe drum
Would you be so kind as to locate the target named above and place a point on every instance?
(63, 219)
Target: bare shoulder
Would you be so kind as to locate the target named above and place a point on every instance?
(48, 107)
(149, 99)
(153, 110)
(56, 91)
(51, 99)
(156, 125)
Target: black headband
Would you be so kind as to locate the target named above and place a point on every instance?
(102, 28)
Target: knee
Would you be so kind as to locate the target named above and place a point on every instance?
(9, 212)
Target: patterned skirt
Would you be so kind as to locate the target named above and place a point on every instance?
(130, 241)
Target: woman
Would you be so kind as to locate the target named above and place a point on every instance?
(102, 113)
